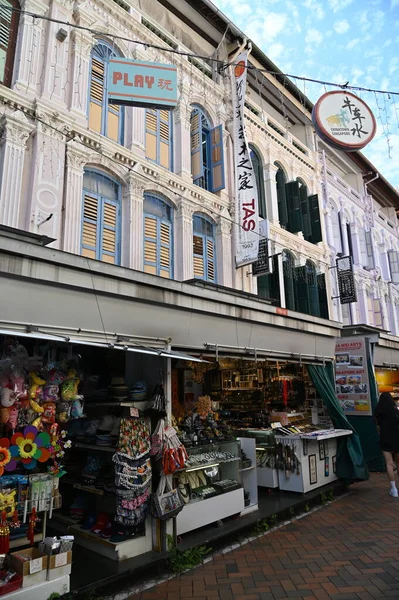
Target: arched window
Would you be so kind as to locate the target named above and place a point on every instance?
(101, 217)
(104, 118)
(158, 137)
(207, 161)
(281, 180)
(158, 236)
(289, 279)
(258, 170)
(9, 20)
(204, 249)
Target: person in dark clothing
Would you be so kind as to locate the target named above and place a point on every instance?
(387, 419)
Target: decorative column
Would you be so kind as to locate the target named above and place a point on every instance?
(15, 130)
(182, 139)
(28, 56)
(224, 250)
(184, 241)
(132, 222)
(76, 158)
(270, 171)
(82, 44)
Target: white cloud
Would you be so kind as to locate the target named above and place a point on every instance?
(315, 8)
(352, 43)
(337, 5)
(275, 51)
(314, 37)
(341, 26)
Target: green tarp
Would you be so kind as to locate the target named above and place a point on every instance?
(350, 461)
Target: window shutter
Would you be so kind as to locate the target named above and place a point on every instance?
(369, 250)
(199, 259)
(293, 206)
(217, 159)
(281, 199)
(336, 227)
(393, 258)
(8, 35)
(315, 219)
(289, 285)
(305, 213)
(210, 260)
(109, 232)
(96, 94)
(263, 282)
(377, 309)
(363, 248)
(165, 258)
(269, 285)
(313, 292)
(90, 226)
(165, 139)
(302, 301)
(150, 244)
(322, 290)
(151, 134)
(197, 166)
(349, 237)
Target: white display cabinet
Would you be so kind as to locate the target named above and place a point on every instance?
(199, 513)
(249, 474)
(310, 460)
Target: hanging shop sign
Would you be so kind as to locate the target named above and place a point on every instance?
(351, 376)
(262, 265)
(138, 83)
(247, 230)
(346, 280)
(344, 121)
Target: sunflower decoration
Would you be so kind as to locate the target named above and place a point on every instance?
(7, 462)
(30, 447)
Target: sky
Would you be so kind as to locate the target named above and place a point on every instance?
(355, 41)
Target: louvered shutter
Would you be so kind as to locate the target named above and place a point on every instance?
(323, 301)
(90, 226)
(305, 213)
(109, 232)
(165, 138)
(315, 219)
(293, 206)
(269, 285)
(363, 248)
(313, 292)
(197, 166)
(370, 264)
(199, 259)
(281, 199)
(377, 309)
(151, 134)
(217, 159)
(5, 30)
(150, 244)
(165, 258)
(96, 95)
(289, 285)
(210, 260)
(301, 287)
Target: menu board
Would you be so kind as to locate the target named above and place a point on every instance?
(351, 376)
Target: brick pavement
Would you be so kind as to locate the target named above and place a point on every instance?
(348, 550)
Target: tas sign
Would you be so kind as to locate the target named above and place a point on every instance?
(343, 121)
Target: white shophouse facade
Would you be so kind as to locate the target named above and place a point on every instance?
(120, 185)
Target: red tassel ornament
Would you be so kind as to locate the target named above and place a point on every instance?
(4, 534)
(33, 519)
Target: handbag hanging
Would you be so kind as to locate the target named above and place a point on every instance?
(158, 402)
(168, 501)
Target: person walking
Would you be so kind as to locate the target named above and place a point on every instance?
(387, 419)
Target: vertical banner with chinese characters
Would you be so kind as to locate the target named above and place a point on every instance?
(247, 229)
(351, 376)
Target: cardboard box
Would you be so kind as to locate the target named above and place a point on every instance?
(59, 565)
(34, 570)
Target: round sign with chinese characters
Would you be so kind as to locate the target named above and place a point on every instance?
(343, 121)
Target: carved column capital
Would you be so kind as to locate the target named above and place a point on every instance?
(15, 128)
(76, 155)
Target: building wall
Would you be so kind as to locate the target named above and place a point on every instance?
(46, 145)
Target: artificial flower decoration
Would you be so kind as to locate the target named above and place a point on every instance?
(30, 447)
(7, 462)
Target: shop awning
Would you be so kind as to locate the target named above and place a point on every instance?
(112, 341)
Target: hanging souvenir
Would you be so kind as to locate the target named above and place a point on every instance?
(33, 519)
(4, 534)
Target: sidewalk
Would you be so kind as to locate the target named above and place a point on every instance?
(348, 550)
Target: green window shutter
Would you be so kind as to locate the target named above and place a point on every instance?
(313, 292)
(293, 206)
(269, 285)
(323, 302)
(305, 213)
(301, 288)
(264, 286)
(315, 219)
(281, 199)
(217, 159)
(289, 285)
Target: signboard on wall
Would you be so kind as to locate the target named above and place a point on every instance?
(140, 83)
(247, 230)
(262, 265)
(344, 121)
(346, 280)
(351, 376)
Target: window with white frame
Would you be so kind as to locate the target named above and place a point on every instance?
(204, 249)
(158, 236)
(207, 155)
(158, 137)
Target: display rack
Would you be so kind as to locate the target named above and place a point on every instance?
(249, 474)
